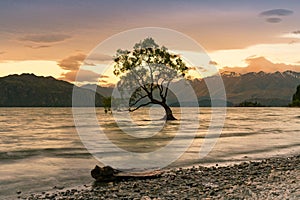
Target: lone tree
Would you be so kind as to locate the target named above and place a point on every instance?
(146, 73)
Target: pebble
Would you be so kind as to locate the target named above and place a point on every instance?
(273, 178)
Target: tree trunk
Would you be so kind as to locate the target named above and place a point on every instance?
(108, 174)
(169, 114)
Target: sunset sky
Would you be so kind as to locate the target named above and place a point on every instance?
(52, 38)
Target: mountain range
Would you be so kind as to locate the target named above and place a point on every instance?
(29, 90)
(269, 89)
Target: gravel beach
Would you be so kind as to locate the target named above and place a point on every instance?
(273, 178)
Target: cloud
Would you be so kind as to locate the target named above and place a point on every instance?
(37, 46)
(102, 81)
(293, 42)
(273, 16)
(45, 38)
(202, 69)
(2, 52)
(276, 12)
(72, 62)
(213, 63)
(273, 20)
(104, 76)
(80, 76)
(100, 57)
(89, 64)
(74, 73)
(296, 32)
(257, 64)
(192, 68)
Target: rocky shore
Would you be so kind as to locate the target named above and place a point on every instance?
(273, 178)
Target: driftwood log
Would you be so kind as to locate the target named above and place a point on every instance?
(108, 174)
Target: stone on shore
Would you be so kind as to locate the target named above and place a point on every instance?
(273, 178)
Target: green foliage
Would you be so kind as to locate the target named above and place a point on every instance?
(144, 53)
(296, 98)
(295, 103)
(107, 102)
(250, 104)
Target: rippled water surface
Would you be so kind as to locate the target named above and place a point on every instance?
(40, 147)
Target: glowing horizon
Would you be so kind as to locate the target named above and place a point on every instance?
(237, 36)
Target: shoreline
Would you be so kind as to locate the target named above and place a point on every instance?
(271, 178)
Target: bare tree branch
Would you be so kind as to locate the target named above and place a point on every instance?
(138, 100)
(142, 105)
(137, 78)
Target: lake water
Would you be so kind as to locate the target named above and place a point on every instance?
(40, 147)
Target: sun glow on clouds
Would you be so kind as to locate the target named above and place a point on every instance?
(38, 67)
(277, 53)
(199, 63)
(292, 35)
(284, 53)
(271, 57)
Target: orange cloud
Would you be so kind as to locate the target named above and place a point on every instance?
(258, 64)
(72, 62)
(80, 76)
(100, 57)
(37, 46)
(213, 62)
(74, 73)
(45, 38)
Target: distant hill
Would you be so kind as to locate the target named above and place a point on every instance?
(29, 90)
(103, 91)
(269, 89)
